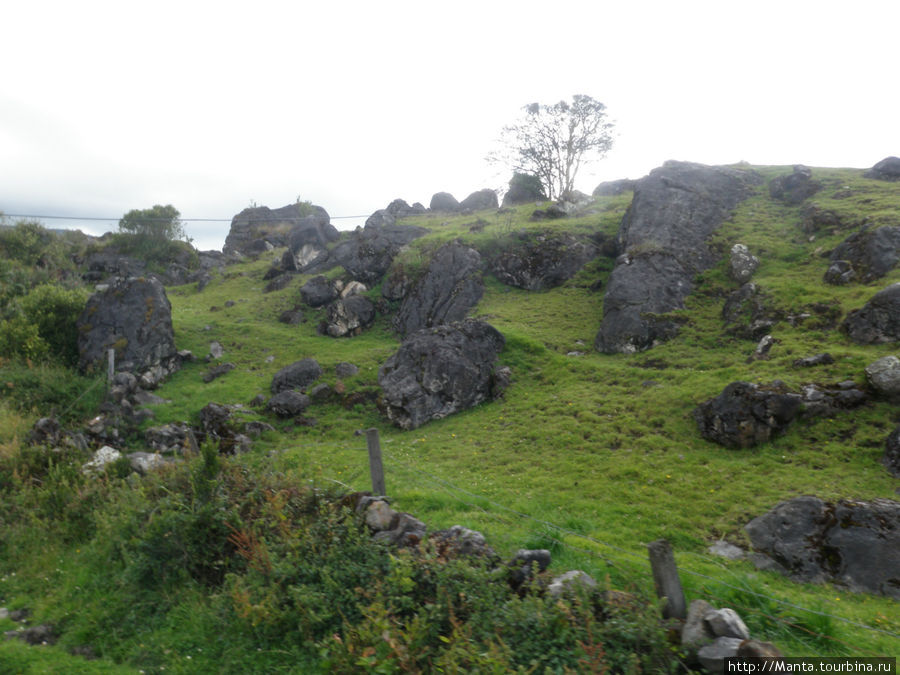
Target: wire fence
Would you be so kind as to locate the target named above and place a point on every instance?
(634, 566)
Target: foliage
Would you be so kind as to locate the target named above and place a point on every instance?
(553, 141)
(50, 389)
(54, 311)
(158, 223)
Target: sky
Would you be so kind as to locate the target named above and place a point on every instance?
(213, 106)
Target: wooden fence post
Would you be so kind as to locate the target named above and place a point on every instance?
(376, 469)
(666, 580)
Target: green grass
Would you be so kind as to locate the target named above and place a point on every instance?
(592, 456)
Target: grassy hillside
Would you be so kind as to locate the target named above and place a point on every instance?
(589, 455)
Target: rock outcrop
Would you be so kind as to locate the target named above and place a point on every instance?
(368, 253)
(308, 244)
(852, 543)
(444, 201)
(747, 414)
(543, 261)
(480, 200)
(297, 375)
(878, 321)
(439, 371)
(134, 318)
(258, 229)
(450, 287)
(346, 317)
(795, 187)
(864, 256)
(742, 264)
(664, 235)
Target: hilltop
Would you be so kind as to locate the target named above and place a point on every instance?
(596, 424)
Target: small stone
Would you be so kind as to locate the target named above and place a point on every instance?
(712, 656)
(103, 456)
(726, 550)
(380, 516)
(695, 632)
(726, 623)
(569, 581)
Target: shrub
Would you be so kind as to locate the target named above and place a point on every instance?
(54, 311)
(51, 390)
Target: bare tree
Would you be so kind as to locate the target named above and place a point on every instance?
(554, 141)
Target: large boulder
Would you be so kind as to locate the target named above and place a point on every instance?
(134, 318)
(742, 264)
(308, 244)
(852, 543)
(794, 187)
(346, 317)
(450, 287)
(747, 414)
(439, 371)
(883, 375)
(297, 375)
(444, 201)
(259, 228)
(878, 321)
(664, 236)
(544, 261)
(318, 291)
(886, 169)
(480, 200)
(865, 256)
(369, 252)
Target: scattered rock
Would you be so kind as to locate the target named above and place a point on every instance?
(823, 359)
(747, 313)
(726, 623)
(318, 292)
(664, 235)
(569, 582)
(480, 200)
(450, 287)
(297, 375)
(891, 459)
(134, 318)
(258, 229)
(525, 563)
(762, 349)
(712, 656)
(369, 252)
(696, 632)
(216, 351)
(815, 218)
(886, 169)
(308, 244)
(883, 376)
(292, 317)
(280, 282)
(755, 649)
(177, 439)
(145, 462)
(866, 255)
(746, 414)
(288, 403)
(459, 541)
(552, 212)
(742, 264)
(725, 549)
(878, 321)
(350, 316)
(852, 543)
(439, 371)
(794, 187)
(218, 371)
(344, 370)
(102, 457)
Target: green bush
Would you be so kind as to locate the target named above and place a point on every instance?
(50, 389)
(54, 311)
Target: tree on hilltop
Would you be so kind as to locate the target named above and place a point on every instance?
(162, 223)
(554, 141)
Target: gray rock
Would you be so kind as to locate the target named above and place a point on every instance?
(545, 261)
(308, 243)
(288, 403)
(175, 439)
(344, 369)
(852, 543)
(878, 321)
(133, 317)
(460, 541)
(450, 287)
(350, 316)
(216, 350)
(747, 313)
(318, 292)
(218, 371)
(795, 187)
(439, 371)
(712, 656)
(569, 582)
(379, 516)
(695, 633)
(297, 375)
(742, 264)
(406, 531)
(664, 234)
(257, 229)
(724, 549)
(886, 169)
(823, 359)
(480, 200)
(526, 563)
(369, 252)
(145, 462)
(444, 201)
(102, 457)
(746, 414)
(614, 187)
(883, 376)
(891, 459)
(726, 623)
(866, 255)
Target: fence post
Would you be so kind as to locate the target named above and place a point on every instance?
(666, 580)
(110, 365)
(376, 469)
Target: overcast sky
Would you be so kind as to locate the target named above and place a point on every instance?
(110, 106)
